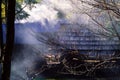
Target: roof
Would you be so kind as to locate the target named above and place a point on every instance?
(83, 39)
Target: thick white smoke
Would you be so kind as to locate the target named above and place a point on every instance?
(49, 9)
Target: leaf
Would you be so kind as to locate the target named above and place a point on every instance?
(3, 10)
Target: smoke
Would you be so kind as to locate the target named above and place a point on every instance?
(40, 13)
(27, 49)
(43, 18)
(50, 9)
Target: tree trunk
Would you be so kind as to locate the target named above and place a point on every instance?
(1, 40)
(1, 35)
(9, 40)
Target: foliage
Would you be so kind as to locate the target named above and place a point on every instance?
(3, 10)
(20, 5)
(20, 13)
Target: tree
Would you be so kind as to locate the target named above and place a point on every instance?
(9, 40)
(105, 15)
(20, 5)
(104, 19)
(1, 35)
(20, 13)
(72, 43)
(9, 13)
